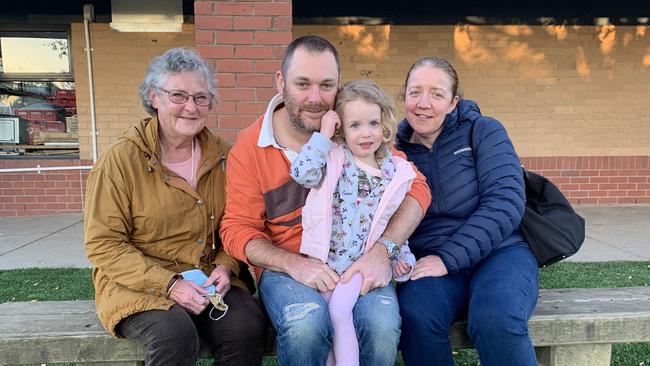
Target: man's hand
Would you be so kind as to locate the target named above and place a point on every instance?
(329, 123)
(375, 268)
(429, 266)
(189, 295)
(220, 277)
(313, 273)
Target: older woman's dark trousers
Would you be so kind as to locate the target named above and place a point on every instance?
(498, 296)
(172, 336)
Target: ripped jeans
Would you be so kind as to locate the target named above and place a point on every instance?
(301, 318)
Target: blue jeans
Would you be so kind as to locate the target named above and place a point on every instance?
(497, 295)
(301, 318)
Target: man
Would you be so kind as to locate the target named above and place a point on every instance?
(262, 221)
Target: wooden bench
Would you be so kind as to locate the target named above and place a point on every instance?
(573, 327)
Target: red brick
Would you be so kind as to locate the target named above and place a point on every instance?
(236, 121)
(25, 199)
(589, 173)
(216, 51)
(599, 179)
(74, 207)
(267, 66)
(608, 173)
(233, 37)
(265, 93)
(204, 37)
(54, 177)
(607, 201)
(616, 193)
(577, 194)
(607, 186)
(628, 172)
(65, 199)
(273, 38)
(278, 52)
(244, 80)
(23, 184)
(645, 172)
(55, 206)
(7, 213)
(588, 187)
(551, 173)
(251, 108)
(645, 199)
(574, 201)
(15, 206)
(226, 108)
(252, 23)
(617, 179)
(627, 186)
(228, 135)
(237, 94)
(280, 8)
(570, 173)
(282, 23)
(626, 200)
(11, 177)
(33, 177)
(637, 179)
(212, 121)
(260, 52)
(237, 8)
(13, 192)
(213, 22)
(35, 192)
(598, 194)
(62, 184)
(245, 66)
(636, 193)
(202, 7)
(55, 192)
(643, 186)
(588, 201)
(7, 199)
(225, 80)
(569, 187)
(45, 199)
(73, 192)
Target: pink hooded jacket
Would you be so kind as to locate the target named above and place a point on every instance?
(317, 212)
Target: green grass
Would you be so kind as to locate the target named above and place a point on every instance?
(36, 284)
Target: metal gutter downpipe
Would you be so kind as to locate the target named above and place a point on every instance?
(89, 15)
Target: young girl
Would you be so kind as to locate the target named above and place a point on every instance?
(356, 185)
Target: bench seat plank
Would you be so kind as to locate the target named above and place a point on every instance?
(69, 331)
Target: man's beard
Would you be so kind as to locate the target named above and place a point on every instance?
(294, 112)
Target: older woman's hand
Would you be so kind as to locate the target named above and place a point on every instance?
(220, 277)
(190, 296)
(429, 266)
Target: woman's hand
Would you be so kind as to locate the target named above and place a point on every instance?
(401, 268)
(329, 123)
(220, 277)
(189, 296)
(429, 266)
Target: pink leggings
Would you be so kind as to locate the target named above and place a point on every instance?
(341, 303)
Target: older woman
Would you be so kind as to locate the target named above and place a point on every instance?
(472, 260)
(154, 202)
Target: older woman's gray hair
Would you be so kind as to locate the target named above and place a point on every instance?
(174, 61)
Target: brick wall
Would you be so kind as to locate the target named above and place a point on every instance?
(119, 62)
(573, 99)
(245, 42)
(45, 193)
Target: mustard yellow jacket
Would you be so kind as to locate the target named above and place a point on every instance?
(144, 224)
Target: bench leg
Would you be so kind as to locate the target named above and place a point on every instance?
(574, 355)
(113, 363)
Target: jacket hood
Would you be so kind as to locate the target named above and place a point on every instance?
(465, 110)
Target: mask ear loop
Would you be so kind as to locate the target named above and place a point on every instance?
(218, 304)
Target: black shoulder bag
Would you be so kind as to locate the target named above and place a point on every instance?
(553, 230)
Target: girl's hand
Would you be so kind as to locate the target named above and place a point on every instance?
(329, 123)
(220, 277)
(429, 266)
(401, 268)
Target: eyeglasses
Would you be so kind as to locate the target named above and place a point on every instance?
(180, 97)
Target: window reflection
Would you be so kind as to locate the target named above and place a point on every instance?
(23, 55)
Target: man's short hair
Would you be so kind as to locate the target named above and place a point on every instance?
(311, 44)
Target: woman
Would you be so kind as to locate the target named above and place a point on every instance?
(153, 204)
(471, 258)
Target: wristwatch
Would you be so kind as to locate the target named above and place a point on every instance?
(393, 249)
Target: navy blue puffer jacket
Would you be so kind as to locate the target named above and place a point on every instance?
(478, 197)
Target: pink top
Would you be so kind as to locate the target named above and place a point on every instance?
(184, 168)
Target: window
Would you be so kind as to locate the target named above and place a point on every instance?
(38, 110)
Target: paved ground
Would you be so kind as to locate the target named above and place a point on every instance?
(614, 233)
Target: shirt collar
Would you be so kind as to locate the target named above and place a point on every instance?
(266, 133)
